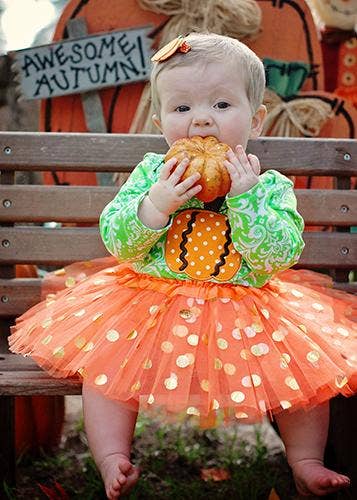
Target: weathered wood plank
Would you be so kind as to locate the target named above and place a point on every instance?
(20, 376)
(22, 203)
(113, 152)
(20, 294)
(33, 245)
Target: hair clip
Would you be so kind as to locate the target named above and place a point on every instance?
(176, 45)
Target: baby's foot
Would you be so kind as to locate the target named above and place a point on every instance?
(312, 478)
(119, 475)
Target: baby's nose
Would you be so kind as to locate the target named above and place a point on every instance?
(202, 121)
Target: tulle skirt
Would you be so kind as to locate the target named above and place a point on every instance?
(196, 348)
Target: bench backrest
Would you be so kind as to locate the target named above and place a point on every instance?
(23, 208)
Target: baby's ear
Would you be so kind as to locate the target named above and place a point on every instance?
(156, 121)
(258, 122)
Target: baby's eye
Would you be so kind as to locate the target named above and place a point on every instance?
(222, 105)
(182, 108)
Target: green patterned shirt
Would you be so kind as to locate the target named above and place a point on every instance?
(266, 229)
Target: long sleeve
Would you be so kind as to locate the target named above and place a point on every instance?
(266, 227)
(122, 232)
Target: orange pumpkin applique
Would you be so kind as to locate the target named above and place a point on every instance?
(199, 244)
(206, 155)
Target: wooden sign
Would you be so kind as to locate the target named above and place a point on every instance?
(82, 64)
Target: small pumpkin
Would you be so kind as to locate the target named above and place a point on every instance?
(206, 155)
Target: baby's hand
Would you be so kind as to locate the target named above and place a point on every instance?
(244, 171)
(169, 193)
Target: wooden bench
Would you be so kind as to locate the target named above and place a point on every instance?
(23, 238)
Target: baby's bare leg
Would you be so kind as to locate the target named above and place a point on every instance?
(110, 428)
(304, 434)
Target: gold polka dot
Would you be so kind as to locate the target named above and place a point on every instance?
(185, 314)
(222, 344)
(237, 396)
(180, 330)
(124, 363)
(193, 339)
(101, 379)
(236, 334)
(58, 352)
(285, 404)
(59, 272)
(88, 347)
(99, 281)
(167, 347)
(250, 380)
(136, 387)
(97, 316)
(70, 282)
(250, 331)
(340, 381)
(342, 331)
(79, 313)
(171, 383)
(47, 322)
(112, 335)
(241, 415)
(193, 411)
(151, 399)
(205, 385)
(303, 328)
(265, 313)
(278, 336)
(292, 383)
(313, 356)
(259, 349)
(80, 342)
(218, 364)
(147, 364)
(182, 361)
(132, 335)
(229, 368)
(47, 340)
(258, 327)
(245, 354)
(153, 309)
(214, 404)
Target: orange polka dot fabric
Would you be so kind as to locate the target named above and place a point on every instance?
(199, 244)
(198, 348)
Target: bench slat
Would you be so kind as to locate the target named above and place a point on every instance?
(32, 245)
(22, 293)
(20, 376)
(84, 204)
(113, 152)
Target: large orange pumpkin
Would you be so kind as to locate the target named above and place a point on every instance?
(38, 419)
(206, 156)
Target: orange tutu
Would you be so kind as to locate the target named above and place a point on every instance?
(197, 348)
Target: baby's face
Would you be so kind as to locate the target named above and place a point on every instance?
(205, 100)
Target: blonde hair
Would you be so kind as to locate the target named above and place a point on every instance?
(212, 48)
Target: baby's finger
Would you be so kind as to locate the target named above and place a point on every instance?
(233, 171)
(243, 159)
(187, 183)
(191, 192)
(166, 169)
(176, 174)
(255, 163)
